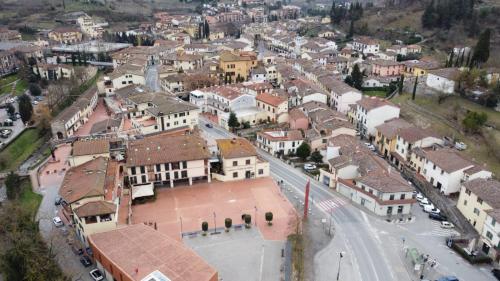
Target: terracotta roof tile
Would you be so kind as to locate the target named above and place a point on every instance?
(95, 208)
(271, 99)
(83, 181)
(235, 148)
(90, 147)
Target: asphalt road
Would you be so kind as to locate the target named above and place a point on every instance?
(152, 80)
(374, 248)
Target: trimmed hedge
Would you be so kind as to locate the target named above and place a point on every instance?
(480, 258)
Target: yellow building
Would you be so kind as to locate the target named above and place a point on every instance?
(239, 160)
(386, 136)
(419, 68)
(476, 197)
(237, 65)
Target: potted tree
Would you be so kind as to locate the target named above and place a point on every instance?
(228, 222)
(204, 227)
(248, 221)
(269, 218)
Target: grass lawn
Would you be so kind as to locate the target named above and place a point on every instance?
(21, 86)
(28, 199)
(20, 149)
(381, 94)
(481, 150)
(8, 79)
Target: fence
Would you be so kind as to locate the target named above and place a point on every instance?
(441, 202)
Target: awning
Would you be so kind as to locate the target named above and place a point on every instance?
(142, 190)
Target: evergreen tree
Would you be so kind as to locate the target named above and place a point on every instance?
(401, 84)
(482, 50)
(73, 62)
(303, 151)
(233, 121)
(79, 58)
(206, 29)
(414, 88)
(25, 108)
(351, 30)
(428, 17)
(450, 59)
(357, 77)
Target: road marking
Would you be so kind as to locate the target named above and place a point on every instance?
(261, 262)
(330, 204)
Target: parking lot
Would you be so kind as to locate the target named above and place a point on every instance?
(16, 128)
(240, 254)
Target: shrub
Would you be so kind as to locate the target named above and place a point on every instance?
(228, 222)
(269, 218)
(204, 227)
(480, 258)
(248, 221)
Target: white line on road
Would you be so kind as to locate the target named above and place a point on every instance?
(262, 262)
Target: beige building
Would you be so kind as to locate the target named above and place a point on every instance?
(276, 107)
(86, 150)
(239, 160)
(53, 71)
(386, 135)
(478, 196)
(166, 160)
(95, 217)
(65, 35)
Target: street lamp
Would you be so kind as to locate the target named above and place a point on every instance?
(215, 224)
(341, 255)
(180, 218)
(255, 215)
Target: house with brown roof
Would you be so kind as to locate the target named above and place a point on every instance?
(86, 150)
(237, 65)
(366, 179)
(275, 106)
(371, 112)
(166, 160)
(443, 80)
(66, 35)
(95, 217)
(239, 160)
(477, 197)
(386, 136)
(279, 142)
(155, 256)
(87, 196)
(122, 76)
(297, 119)
(409, 138)
(386, 68)
(365, 45)
(445, 169)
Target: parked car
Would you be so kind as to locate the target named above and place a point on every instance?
(435, 211)
(309, 166)
(34, 102)
(448, 278)
(58, 201)
(208, 125)
(5, 133)
(370, 146)
(424, 202)
(420, 197)
(89, 252)
(447, 224)
(460, 145)
(428, 208)
(496, 273)
(96, 275)
(57, 222)
(18, 115)
(77, 250)
(8, 122)
(437, 217)
(86, 261)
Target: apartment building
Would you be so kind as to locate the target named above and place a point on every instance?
(445, 169)
(280, 142)
(53, 71)
(371, 112)
(66, 123)
(95, 217)
(477, 197)
(66, 35)
(365, 45)
(237, 65)
(386, 136)
(166, 160)
(386, 68)
(8, 63)
(409, 138)
(490, 237)
(342, 95)
(122, 76)
(240, 160)
(275, 106)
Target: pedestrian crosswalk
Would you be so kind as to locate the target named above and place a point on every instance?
(330, 204)
(437, 230)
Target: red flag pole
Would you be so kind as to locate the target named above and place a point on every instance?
(306, 200)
